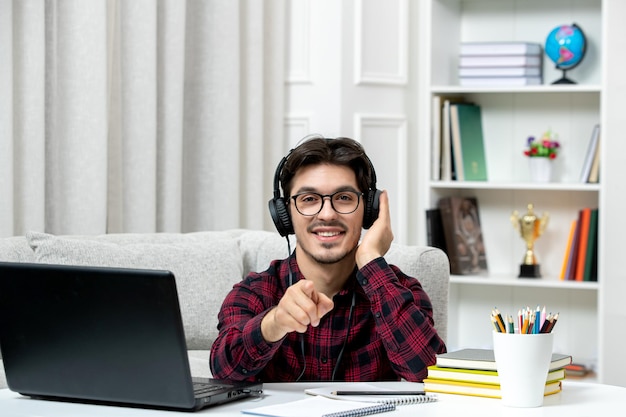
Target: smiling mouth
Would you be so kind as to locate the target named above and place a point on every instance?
(328, 234)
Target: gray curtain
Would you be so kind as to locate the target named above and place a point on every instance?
(139, 116)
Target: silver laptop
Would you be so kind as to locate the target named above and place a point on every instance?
(103, 335)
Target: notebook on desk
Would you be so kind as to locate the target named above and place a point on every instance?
(103, 335)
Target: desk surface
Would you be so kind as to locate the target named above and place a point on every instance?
(576, 399)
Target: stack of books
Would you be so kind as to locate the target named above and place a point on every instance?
(473, 372)
(500, 64)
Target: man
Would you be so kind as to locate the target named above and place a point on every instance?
(334, 309)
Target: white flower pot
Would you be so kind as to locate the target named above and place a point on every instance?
(540, 169)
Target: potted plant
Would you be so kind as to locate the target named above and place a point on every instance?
(541, 152)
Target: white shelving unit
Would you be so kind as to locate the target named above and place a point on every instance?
(510, 115)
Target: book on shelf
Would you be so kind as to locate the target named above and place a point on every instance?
(463, 234)
(585, 218)
(446, 143)
(573, 251)
(435, 236)
(480, 390)
(468, 147)
(500, 72)
(480, 376)
(500, 48)
(581, 255)
(594, 173)
(592, 149)
(576, 370)
(568, 250)
(500, 61)
(591, 261)
(484, 359)
(435, 141)
(500, 81)
(441, 137)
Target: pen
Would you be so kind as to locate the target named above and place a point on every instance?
(378, 393)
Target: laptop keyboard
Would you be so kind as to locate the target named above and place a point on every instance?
(202, 389)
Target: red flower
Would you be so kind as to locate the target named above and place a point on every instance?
(545, 147)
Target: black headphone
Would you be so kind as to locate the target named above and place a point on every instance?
(280, 214)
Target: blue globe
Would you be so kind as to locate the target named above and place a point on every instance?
(565, 46)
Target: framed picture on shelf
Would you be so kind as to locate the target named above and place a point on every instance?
(463, 235)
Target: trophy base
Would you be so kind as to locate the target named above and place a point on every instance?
(529, 271)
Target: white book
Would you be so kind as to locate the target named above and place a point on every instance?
(455, 135)
(446, 143)
(500, 48)
(499, 71)
(595, 165)
(500, 61)
(435, 133)
(499, 81)
(591, 153)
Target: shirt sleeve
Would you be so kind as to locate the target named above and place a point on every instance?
(404, 318)
(239, 352)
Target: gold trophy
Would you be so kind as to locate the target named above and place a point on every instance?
(530, 228)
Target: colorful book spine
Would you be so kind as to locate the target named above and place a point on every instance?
(582, 246)
(590, 272)
(568, 249)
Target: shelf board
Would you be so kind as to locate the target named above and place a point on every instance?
(541, 89)
(491, 185)
(522, 282)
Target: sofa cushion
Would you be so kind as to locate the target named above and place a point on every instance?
(260, 248)
(202, 282)
(15, 249)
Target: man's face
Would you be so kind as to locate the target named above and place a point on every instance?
(327, 237)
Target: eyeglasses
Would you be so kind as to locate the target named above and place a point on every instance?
(343, 202)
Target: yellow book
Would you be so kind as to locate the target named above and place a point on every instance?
(444, 386)
(568, 249)
(480, 376)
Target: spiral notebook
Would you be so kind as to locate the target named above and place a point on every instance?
(380, 389)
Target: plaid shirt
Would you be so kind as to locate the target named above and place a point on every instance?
(391, 335)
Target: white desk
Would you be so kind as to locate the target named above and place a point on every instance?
(577, 399)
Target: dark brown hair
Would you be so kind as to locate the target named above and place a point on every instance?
(339, 151)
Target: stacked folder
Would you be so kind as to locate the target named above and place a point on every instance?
(500, 64)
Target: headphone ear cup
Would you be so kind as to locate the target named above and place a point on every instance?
(280, 216)
(371, 208)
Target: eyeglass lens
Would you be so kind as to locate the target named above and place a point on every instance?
(343, 202)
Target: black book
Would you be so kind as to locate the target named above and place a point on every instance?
(434, 230)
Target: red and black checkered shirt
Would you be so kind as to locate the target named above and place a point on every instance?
(391, 335)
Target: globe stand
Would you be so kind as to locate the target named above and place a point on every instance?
(564, 79)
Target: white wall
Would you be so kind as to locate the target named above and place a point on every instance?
(350, 74)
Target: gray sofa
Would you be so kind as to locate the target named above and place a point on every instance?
(206, 265)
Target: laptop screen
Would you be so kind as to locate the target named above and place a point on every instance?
(94, 333)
